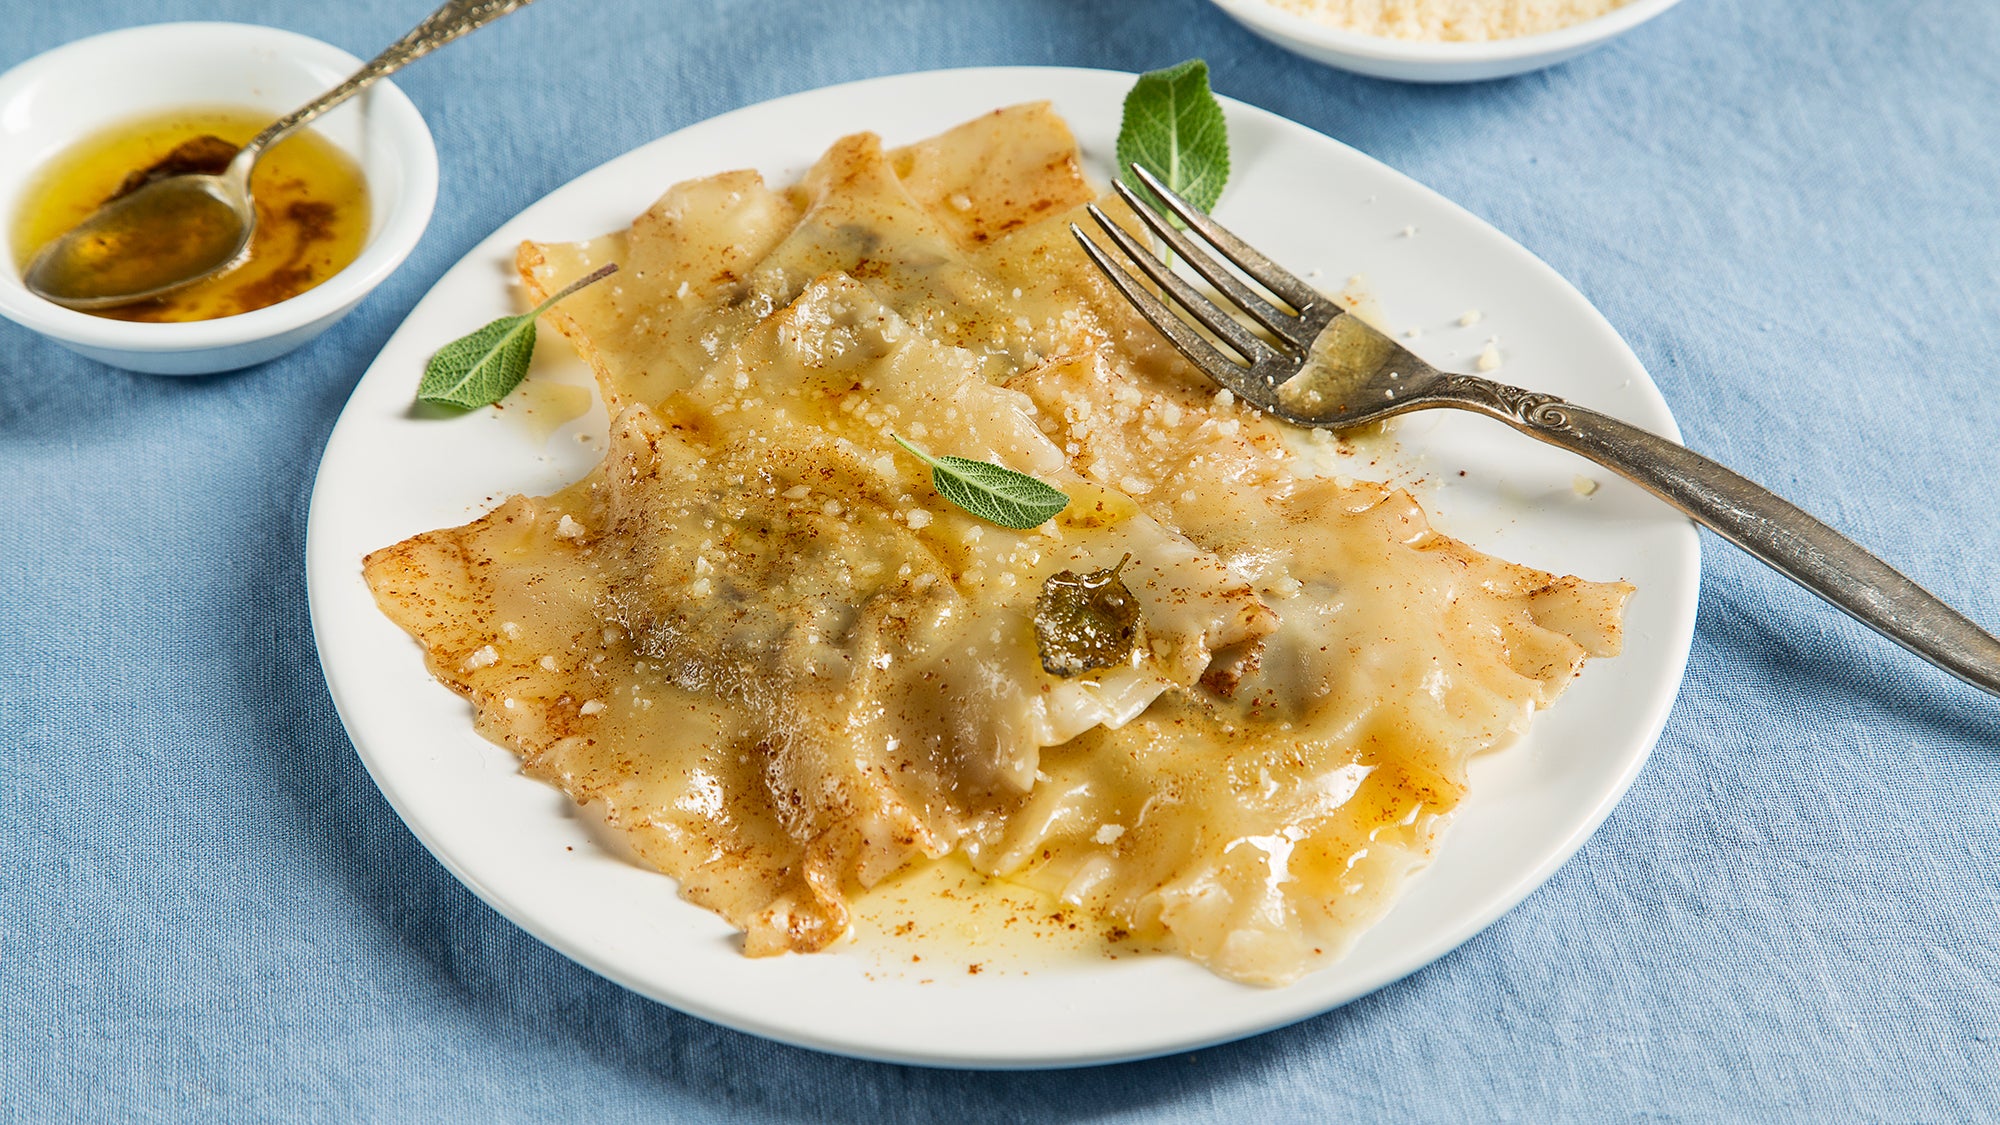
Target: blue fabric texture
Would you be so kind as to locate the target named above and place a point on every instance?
(1788, 207)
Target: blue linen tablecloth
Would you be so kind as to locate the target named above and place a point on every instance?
(1788, 207)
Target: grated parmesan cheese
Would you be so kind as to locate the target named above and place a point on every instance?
(1449, 20)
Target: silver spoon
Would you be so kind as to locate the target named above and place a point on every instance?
(183, 229)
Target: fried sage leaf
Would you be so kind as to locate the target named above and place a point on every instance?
(1086, 621)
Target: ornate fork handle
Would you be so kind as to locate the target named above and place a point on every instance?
(452, 19)
(1752, 517)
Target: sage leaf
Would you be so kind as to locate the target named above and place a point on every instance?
(482, 367)
(991, 492)
(1084, 622)
(1174, 128)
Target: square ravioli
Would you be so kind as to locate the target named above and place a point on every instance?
(760, 646)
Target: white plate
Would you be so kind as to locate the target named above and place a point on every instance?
(1317, 204)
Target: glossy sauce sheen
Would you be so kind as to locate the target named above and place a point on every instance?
(312, 208)
(756, 643)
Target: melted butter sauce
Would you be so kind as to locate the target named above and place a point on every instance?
(942, 919)
(540, 406)
(312, 208)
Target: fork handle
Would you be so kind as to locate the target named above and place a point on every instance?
(1755, 519)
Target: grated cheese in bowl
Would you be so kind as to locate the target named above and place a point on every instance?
(1450, 20)
(1441, 40)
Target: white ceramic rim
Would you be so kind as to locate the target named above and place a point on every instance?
(402, 224)
(1560, 42)
(621, 938)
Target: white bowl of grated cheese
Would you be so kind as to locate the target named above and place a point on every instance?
(1461, 40)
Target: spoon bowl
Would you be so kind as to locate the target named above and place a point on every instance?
(167, 235)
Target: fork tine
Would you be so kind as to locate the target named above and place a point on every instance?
(1285, 325)
(1201, 308)
(1192, 344)
(1287, 285)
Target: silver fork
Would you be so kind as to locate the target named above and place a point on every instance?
(1328, 369)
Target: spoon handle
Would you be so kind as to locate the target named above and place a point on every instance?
(1755, 519)
(452, 19)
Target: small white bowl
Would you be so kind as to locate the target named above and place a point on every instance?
(1415, 60)
(57, 98)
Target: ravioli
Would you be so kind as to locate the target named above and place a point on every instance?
(759, 645)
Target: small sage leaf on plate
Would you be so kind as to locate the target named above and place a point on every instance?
(992, 492)
(1174, 128)
(479, 369)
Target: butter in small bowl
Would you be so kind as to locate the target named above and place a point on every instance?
(339, 206)
(311, 198)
